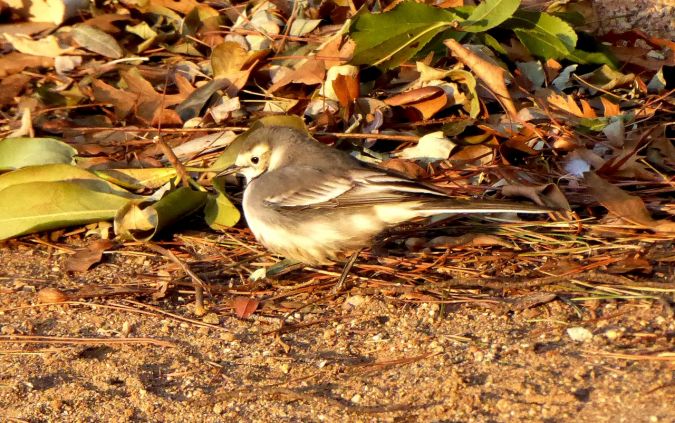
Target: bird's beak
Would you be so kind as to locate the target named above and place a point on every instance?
(232, 170)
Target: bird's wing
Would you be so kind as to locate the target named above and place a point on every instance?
(347, 188)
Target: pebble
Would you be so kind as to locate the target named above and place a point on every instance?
(579, 334)
(211, 318)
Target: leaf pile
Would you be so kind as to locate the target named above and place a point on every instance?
(485, 100)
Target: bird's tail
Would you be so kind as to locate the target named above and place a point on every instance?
(457, 206)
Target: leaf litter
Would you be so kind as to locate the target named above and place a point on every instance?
(484, 101)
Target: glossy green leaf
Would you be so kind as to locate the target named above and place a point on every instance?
(390, 38)
(489, 14)
(40, 206)
(20, 152)
(219, 211)
(544, 35)
(139, 178)
(141, 223)
(61, 173)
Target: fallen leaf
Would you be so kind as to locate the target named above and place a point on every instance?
(244, 306)
(11, 87)
(310, 72)
(468, 240)
(93, 39)
(123, 102)
(56, 11)
(421, 103)
(58, 205)
(429, 148)
(141, 222)
(51, 296)
(492, 75)
(628, 207)
(20, 152)
(548, 195)
(15, 62)
(405, 167)
(611, 109)
(47, 46)
(85, 258)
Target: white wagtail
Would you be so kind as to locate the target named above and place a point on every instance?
(315, 204)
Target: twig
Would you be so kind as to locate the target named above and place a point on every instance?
(31, 339)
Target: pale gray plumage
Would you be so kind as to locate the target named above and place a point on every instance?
(315, 204)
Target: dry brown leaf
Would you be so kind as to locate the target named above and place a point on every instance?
(11, 87)
(611, 109)
(312, 72)
(122, 101)
(346, 88)
(628, 207)
(631, 263)
(86, 257)
(559, 102)
(405, 167)
(548, 195)
(244, 306)
(587, 109)
(475, 240)
(150, 106)
(492, 75)
(51, 296)
(183, 6)
(420, 103)
(15, 62)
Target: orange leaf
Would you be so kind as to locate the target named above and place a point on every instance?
(611, 109)
(244, 306)
(346, 88)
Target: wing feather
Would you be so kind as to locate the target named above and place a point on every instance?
(360, 187)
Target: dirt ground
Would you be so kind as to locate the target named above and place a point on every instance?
(363, 356)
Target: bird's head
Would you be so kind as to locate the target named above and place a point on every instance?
(271, 148)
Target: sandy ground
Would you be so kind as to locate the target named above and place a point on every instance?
(363, 356)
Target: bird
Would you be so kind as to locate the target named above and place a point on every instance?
(315, 204)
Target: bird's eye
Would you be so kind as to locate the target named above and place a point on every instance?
(255, 160)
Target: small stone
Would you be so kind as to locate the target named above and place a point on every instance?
(613, 334)
(227, 336)
(218, 409)
(355, 300)
(579, 334)
(211, 318)
(356, 399)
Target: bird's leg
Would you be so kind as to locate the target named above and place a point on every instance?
(339, 286)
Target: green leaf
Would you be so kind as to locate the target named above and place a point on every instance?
(219, 211)
(133, 221)
(93, 39)
(390, 38)
(40, 206)
(468, 81)
(544, 35)
(61, 173)
(489, 14)
(19, 152)
(594, 57)
(138, 178)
